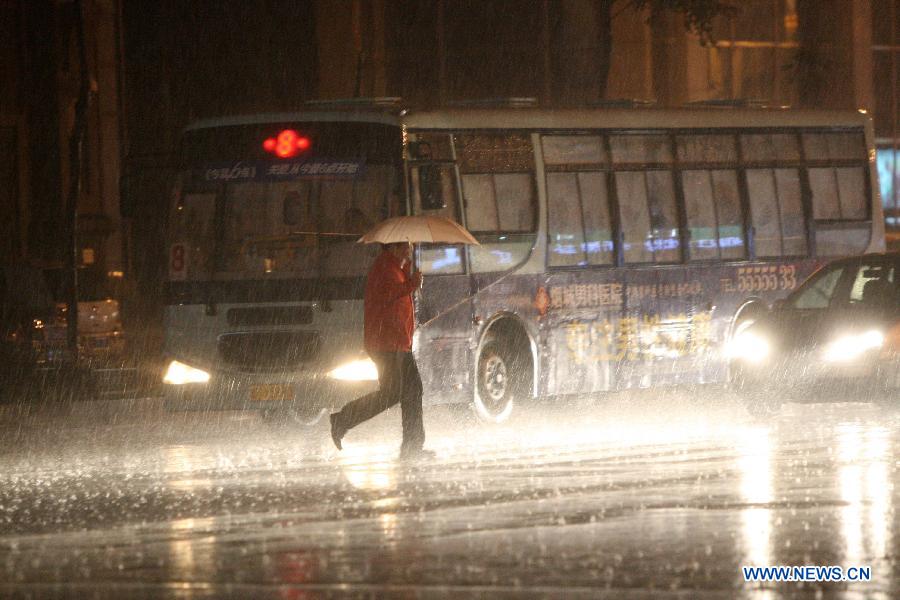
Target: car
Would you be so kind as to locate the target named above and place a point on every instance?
(101, 340)
(836, 337)
(27, 312)
(34, 357)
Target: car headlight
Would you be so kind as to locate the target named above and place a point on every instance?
(179, 373)
(851, 347)
(749, 346)
(357, 370)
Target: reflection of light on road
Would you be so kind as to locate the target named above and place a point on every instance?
(754, 465)
(864, 482)
(183, 548)
(180, 459)
(588, 435)
(184, 538)
(878, 489)
(191, 525)
(390, 502)
(388, 524)
(850, 480)
(369, 467)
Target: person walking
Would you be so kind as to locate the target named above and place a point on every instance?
(388, 329)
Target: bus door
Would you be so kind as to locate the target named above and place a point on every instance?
(444, 304)
(500, 200)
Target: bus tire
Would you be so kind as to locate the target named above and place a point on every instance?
(504, 376)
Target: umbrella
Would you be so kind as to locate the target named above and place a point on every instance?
(418, 228)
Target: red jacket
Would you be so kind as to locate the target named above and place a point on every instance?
(389, 317)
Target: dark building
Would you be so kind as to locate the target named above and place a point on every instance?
(154, 66)
(39, 80)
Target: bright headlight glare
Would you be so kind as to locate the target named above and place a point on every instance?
(748, 346)
(179, 373)
(358, 370)
(851, 347)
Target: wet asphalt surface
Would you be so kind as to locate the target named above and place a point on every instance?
(638, 496)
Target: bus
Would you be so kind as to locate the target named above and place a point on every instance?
(620, 247)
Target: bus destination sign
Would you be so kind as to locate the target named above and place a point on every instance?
(283, 170)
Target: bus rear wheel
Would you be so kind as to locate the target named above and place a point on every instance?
(504, 375)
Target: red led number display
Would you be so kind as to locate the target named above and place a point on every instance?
(286, 144)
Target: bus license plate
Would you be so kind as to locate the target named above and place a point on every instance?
(268, 392)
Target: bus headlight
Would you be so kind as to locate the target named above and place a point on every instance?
(357, 370)
(179, 373)
(748, 346)
(851, 347)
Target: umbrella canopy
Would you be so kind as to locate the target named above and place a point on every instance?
(418, 228)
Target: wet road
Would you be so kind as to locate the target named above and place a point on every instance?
(632, 497)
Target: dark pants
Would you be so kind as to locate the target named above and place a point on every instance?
(398, 381)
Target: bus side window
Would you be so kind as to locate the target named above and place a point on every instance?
(646, 197)
(434, 190)
(497, 174)
(839, 200)
(481, 207)
(434, 193)
(431, 190)
(838, 194)
(776, 212)
(565, 224)
(499, 203)
(579, 220)
(515, 202)
(713, 212)
(706, 148)
(499, 207)
(767, 147)
(834, 146)
(640, 149)
(649, 222)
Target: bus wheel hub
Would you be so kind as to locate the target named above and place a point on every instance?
(495, 378)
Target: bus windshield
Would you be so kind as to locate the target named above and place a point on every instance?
(298, 228)
(242, 212)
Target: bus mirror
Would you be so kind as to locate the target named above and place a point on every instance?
(430, 187)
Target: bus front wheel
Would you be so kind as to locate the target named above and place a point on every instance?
(503, 376)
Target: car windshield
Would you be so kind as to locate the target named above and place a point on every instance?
(865, 284)
(818, 292)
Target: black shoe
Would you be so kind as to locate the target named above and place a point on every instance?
(337, 432)
(416, 454)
